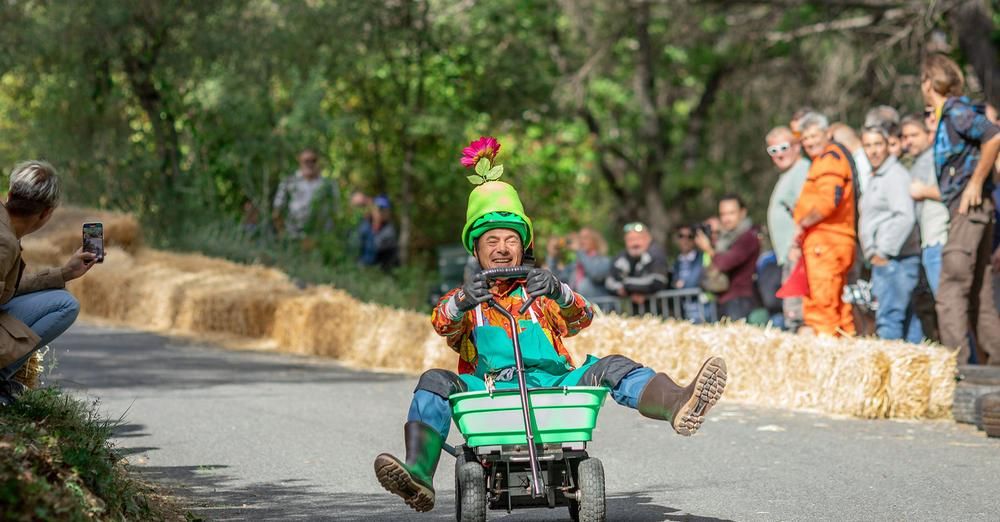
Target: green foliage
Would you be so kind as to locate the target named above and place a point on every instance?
(56, 464)
(185, 111)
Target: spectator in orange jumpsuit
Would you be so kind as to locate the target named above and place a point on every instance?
(824, 217)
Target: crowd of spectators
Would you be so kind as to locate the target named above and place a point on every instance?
(890, 226)
(885, 229)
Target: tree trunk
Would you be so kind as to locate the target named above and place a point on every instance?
(972, 22)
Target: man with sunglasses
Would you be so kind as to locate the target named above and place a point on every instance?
(305, 199)
(786, 153)
(639, 271)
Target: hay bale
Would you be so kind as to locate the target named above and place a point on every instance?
(943, 368)
(64, 230)
(30, 374)
(228, 304)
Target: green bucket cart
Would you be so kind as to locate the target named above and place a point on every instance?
(527, 448)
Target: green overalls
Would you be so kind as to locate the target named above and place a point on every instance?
(543, 366)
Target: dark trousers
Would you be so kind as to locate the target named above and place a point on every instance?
(737, 308)
(965, 298)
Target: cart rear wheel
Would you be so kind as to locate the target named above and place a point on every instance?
(470, 489)
(590, 483)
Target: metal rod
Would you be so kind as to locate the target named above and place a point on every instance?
(536, 488)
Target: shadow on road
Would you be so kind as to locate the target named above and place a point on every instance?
(104, 360)
(216, 496)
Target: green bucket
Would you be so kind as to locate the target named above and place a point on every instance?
(560, 415)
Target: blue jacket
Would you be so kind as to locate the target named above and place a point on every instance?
(963, 128)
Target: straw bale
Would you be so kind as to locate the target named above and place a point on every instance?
(943, 366)
(29, 374)
(64, 230)
(321, 321)
(909, 380)
(230, 304)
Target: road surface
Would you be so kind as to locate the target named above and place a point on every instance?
(262, 436)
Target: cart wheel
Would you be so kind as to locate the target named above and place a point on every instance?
(470, 489)
(590, 482)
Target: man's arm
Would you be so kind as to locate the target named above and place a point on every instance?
(450, 323)
(652, 280)
(822, 192)
(894, 232)
(976, 128)
(738, 254)
(614, 281)
(569, 320)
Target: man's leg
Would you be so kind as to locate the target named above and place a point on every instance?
(48, 313)
(427, 425)
(822, 310)
(957, 259)
(987, 321)
(931, 259)
(656, 395)
(893, 285)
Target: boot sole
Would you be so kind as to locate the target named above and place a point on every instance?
(709, 385)
(397, 480)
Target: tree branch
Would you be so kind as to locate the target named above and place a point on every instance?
(613, 178)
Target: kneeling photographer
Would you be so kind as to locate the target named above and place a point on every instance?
(34, 308)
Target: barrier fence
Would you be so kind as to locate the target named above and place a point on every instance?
(689, 304)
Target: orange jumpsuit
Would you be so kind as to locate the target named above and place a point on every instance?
(828, 246)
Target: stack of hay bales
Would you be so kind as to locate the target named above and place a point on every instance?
(192, 294)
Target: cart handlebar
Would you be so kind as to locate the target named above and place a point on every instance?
(510, 272)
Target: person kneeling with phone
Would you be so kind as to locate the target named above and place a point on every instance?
(34, 308)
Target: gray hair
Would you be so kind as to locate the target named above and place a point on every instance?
(34, 187)
(882, 115)
(814, 119)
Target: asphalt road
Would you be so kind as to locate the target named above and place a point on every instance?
(259, 436)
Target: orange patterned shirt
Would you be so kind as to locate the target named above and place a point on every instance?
(555, 321)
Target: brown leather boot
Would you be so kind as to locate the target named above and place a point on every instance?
(414, 479)
(684, 408)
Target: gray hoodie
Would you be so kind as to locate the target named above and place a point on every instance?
(888, 216)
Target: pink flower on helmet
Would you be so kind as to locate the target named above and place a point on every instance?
(484, 147)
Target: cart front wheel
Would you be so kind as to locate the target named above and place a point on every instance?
(590, 484)
(470, 490)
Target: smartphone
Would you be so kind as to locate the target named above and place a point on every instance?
(93, 239)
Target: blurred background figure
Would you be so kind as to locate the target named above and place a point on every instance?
(687, 273)
(640, 270)
(585, 263)
(733, 254)
(890, 239)
(786, 155)
(305, 200)
(379, 240)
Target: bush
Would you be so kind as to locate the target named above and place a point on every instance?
(56, 464)
(329, 260)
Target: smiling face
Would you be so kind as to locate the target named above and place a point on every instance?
(500, 247)
(637, 242)
(814, 140)
(876, 148)
(783, 149)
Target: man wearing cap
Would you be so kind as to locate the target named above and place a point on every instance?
(497, 232)
(640, 270)
(377, 235)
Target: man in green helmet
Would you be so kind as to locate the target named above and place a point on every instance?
(497, 232)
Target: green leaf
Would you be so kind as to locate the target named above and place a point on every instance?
(483, 167)
(494, 173)
(476, 179)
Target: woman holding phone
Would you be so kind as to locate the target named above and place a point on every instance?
(34, 308)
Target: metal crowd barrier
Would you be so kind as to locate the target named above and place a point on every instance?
(685, 304)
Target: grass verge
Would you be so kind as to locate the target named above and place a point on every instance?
(56, 464)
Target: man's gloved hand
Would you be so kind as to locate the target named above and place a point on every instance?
(542, 282)
(472, 294)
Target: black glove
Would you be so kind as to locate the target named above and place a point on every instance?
(472, 294)
(542, 282)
